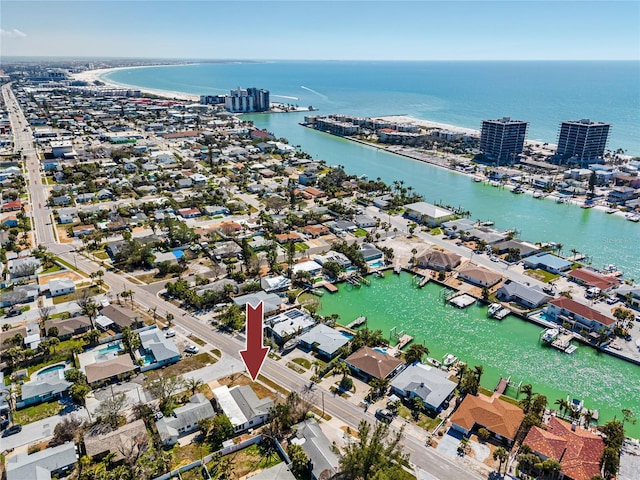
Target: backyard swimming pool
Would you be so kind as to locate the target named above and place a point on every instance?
(50, 369)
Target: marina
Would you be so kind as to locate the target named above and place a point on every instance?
(511, 347)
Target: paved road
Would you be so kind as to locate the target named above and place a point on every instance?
(414, 440)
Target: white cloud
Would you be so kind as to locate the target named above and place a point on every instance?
(14, 33)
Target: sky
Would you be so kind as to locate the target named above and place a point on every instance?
(323, 30)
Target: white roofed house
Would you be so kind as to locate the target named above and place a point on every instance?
(288, 324)
(428, 383)
(243, 407)
(275, 284)
(61, 286)
(428, 214)
(156, 350)
(184, 419)
(324, 463)
(43, 388)
(42, 465)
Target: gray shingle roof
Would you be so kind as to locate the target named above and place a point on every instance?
(424, 381)
(39, 465)
(161, 347)
(197, 409)
(317, 446)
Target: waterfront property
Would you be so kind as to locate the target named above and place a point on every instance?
(368, 363)
(184, 419)
(583, 141)
(243, 407)
(564, 309)
(438, 260)
(502, 140)
(524, 295)
(323, 339)
(479, 276)
(428, 383)
(501, 418)
(591, 278)
(288, 324)
(576, 449)
(548, 262)
(427, 214)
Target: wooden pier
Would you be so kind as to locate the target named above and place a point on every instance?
(397, 269)
(403, 341)
(331, 288)
(502, 385)
(357, 322)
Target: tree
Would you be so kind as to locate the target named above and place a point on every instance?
(592, 182)
(65, 431)
(79, 392)
(110, 408)
(614, 432)
(130, 339)
(87, 305)
(563, 405)
(163, 388)
(483, 435)
(552, 467)
(379, 387)
(193, 384)
(415, 352)
(374, 453)
(299, 460)
(44, 313)
(221, 430)
(418, 406)
(610, 462)
(501, 455)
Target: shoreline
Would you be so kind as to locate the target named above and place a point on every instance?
(99, 74)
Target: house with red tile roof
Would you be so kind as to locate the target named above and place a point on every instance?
(593, 279)
(562, 309)
(12, 206)
(189, 212)
(316, 230)
(576, 449)
(501, 418)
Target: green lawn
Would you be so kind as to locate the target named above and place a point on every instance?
(101, 254)
(303, 362)
(542, 275)
(36, 412)
(360, 233)
(54, 268)
(66, 264)
(301, 247)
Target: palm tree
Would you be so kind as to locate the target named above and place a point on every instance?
(194, 384)
(418, 405)
(378, 387)
(563, 405)
(415, 353)
(341, 368)
(501, 455)
(527, 389)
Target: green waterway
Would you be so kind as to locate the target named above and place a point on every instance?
(504, 348)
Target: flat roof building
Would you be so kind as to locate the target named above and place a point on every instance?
(502, 140)
(582, 140)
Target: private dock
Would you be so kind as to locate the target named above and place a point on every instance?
(502, 385)
(403, 341)
(330, 287)
(503, 312)
(462, 301)
(397, 269)
(357, 323)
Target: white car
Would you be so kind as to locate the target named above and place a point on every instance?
(170, 333)
(192, 349)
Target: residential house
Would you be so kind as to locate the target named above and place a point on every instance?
(525, 249)
(20, 294)
(427, 214)
(243, 407)
(524, 295)
(288, 324)
(83, 230)
(479, 276)
(42, 465)
(12, 206)
(184, 419)
(61, 286)
(315, 231)
(71, 327)
(341, 227)
(121, 316)
(67, 215)
(324, 340)
(629, 294)
(272, 283)
(564, 309)
(44, 387)
(281, 471)
(23, 267)
(428, 383)
(185, 183)
(368, 363)
(189, 212)
(332, 256)
(365, 221)
(438, 260)
(592, 278)
(370, 252)
(577, 450)
(270, 301)
(314, 268)
(131, 437)
(323, 461)
(156, 350)
(502, 419)
(213, 210)
(85, 197)
(227, 249)
(117, 367)
(548, 262)
(10, 221)
(61, 200)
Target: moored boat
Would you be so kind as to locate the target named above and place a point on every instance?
(493, 309)
(449, 359)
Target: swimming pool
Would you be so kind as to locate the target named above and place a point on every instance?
(377, 264)
(112, 347)
(50, 369)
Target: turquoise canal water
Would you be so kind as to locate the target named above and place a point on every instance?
(504, 348)
(604, 238)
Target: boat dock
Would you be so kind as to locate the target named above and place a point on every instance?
(357, 322)
(563, 342)
(462, 301)
(502, 385)
(403, 341)
(397, 269)
(330, 287)
(503, 312)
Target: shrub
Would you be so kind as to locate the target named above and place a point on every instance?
(346, 384)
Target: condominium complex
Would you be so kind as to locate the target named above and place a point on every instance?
(502, 140)
(249, 100)
(582, 140)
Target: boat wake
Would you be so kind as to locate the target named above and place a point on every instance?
(324, 97)
(285, 96)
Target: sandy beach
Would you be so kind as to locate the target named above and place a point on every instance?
(98, 74)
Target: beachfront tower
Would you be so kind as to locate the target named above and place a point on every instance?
(582, 141)
(502, 140)
(249, 100)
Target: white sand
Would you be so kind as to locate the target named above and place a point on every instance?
(91, 75)
(429, 124)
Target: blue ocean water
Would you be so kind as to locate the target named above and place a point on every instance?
(458, 93)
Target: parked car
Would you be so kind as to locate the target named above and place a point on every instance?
(170, 333)
(192, 349)
(158, 415)
(12, 430)
(13, 313)
(384, 415)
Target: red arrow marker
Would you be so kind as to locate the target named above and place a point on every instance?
(255, 352)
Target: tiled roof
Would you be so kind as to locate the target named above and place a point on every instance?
(480, 275)
(373, 363)
(577, 451)
(581, 310)
(594, 279)
(492, 413)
